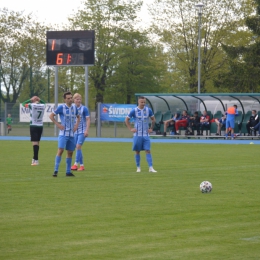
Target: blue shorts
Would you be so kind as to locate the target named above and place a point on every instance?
(79, 139)
(66, 142)
(141, 143)
(230, 123)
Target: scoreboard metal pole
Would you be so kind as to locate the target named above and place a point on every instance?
(86, 86)
(56, 96)
(70, 48)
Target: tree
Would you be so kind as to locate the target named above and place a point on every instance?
(110, 19)
(244, 60)
(22, 42)
(138, 67)
(175, 22)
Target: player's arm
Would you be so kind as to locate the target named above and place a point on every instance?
(128, 125)
(52, 118)
(77, 123)
(88, 125)
(152, 124)
(26, 102)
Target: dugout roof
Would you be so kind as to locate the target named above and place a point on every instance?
(212, 102)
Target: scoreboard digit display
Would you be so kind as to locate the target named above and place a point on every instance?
(70, 48)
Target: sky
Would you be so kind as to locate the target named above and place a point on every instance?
(53, 11)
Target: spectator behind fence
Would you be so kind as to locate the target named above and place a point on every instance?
(171, 122)
(204, 122)
(253, 121)
(183, 122)
(193, 124)
(220, 122)
(9, 122)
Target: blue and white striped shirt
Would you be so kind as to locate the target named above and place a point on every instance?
(141, 117)
(83, 113)
(67, 118)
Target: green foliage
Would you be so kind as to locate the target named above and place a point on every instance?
(110, 19)
(22, 43)
(176, 24)
(137, 67)
(244, 66)
(131, 59)
(111, 212)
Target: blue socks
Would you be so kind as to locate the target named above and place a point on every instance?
(68, 164)
(81, 158)
(149, 159)
(137, 160)
(57, 163)
(78, 158)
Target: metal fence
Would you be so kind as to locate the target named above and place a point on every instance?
(108, 129)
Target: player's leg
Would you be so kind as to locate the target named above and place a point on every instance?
(227, 128)
(62, 140)
(166, 124)
(137, 147)
(35, 160)
(35, 133)
(177, 125)
(218, 126)
(75, 166)
(137, 161)
(147, 148)
(70, 147)
(197, 126)
(232, 125)
(248, 128)
(79, 154)
(255, 128)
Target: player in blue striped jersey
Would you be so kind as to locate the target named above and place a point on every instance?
(141, 131)
(68, 116)
(81, 133)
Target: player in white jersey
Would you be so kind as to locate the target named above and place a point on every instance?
(69, 123)
(37, 108)
(141, 130)
(81, 133)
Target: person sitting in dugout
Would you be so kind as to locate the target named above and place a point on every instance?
(204, 122)
(193, 124)
(252, 122)
(171, 122)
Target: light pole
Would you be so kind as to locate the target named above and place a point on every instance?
(199, 6)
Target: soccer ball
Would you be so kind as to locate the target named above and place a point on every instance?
(205, 187)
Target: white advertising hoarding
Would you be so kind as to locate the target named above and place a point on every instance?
(25, 113)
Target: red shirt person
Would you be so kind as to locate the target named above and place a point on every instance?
(183, 122)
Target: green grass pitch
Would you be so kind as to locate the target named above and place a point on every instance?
(111, 212)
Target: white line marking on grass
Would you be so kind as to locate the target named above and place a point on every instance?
(257, 238)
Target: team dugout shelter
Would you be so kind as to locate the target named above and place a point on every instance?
(165, 105)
